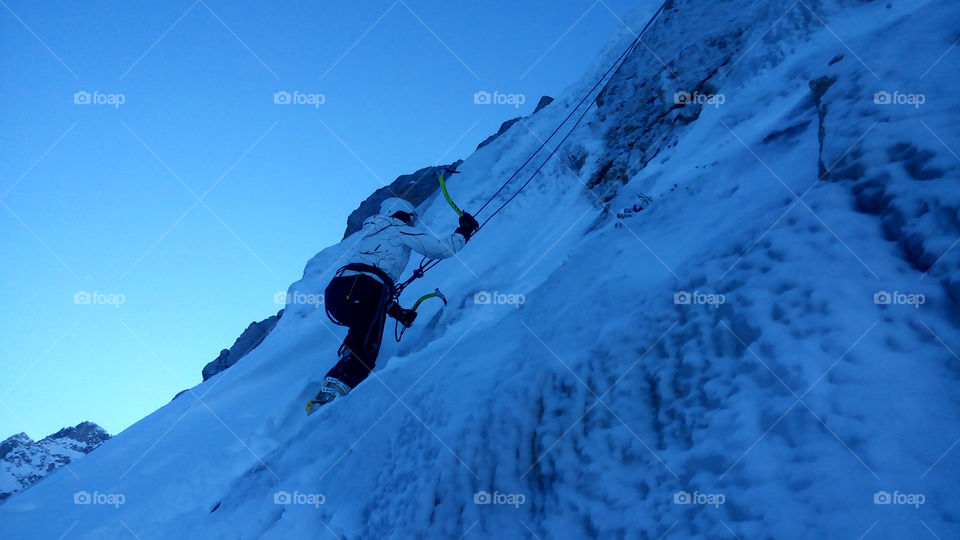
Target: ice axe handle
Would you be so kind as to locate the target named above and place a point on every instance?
(446, 194)
(435, 294)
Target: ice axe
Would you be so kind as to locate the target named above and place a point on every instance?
(446, 194)
(435, 294)
(399, 329)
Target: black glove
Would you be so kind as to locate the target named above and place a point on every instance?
(468, 226)
(405, 316)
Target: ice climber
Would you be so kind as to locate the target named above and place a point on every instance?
(360, 296)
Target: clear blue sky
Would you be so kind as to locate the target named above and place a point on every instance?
(104, 198)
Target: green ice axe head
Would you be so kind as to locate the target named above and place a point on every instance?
(435, 294)
(446, 194)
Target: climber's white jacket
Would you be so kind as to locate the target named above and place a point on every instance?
(387, 242)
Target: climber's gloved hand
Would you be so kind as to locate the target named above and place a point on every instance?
(468, 226)
(404, 316)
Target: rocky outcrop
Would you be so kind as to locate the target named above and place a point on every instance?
(819, 87)
(544, 101)
(419, 186)
(248, 340)
(503, 129)
(24, 462)
(415, 188)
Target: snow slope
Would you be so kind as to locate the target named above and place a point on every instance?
(782, 401)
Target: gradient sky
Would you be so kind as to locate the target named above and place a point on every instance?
(198, 198)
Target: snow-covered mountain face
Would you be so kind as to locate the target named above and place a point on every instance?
(726, 308)
(24, 462)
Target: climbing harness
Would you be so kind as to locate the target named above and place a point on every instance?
(387, 296)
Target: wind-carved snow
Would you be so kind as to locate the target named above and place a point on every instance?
(756, 349)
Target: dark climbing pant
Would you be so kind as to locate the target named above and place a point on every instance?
(359, 303)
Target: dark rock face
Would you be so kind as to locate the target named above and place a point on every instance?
(544, 101)
(503, 129)
(87, 434)
(24, 462)
(20, 440)
(248, 340)
(819, 87)
(414, 188)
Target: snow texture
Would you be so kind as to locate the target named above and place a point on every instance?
(733, 315)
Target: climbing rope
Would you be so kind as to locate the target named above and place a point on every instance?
(616, 64)
(427, 264)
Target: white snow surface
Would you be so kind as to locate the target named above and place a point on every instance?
(597, 403)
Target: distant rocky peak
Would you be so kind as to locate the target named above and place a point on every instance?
(13, 442)
(24, 462)
(88, 434)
